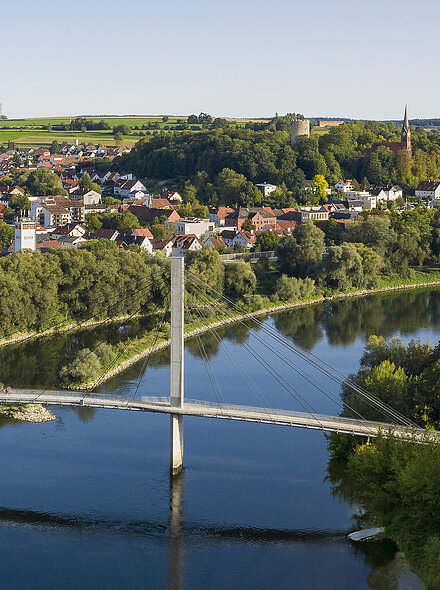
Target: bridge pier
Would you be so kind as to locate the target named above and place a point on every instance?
(176, 364)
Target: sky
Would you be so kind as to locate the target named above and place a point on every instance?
(243, 58)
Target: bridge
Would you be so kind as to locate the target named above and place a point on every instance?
(205, 409)
(177, 406)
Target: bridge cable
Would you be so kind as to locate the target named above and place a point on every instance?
(372, 401)
(289, 388)
(278, 377)
(301, 372)
(208, 367)
(314, 361)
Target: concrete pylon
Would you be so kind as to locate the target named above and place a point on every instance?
(176, 365)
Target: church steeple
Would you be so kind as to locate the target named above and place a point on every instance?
(405, 136)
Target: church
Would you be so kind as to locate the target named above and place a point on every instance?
(395, 146)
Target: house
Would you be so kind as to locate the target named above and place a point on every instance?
(71, 241)
(151, 215)
(386, 193)
(124, 189)
(141, 241)
(49, 213)
(172, 196)
(428, 189)
(259, 216)
(162, 247)
(142, 232)
(266, 188)
(105, 234)
(344, 185)
(219, 214)
(313, 214)
(361, 199)
(87, 196)
(191, 226)
(184, 244)
(214, 242)
(70, 230)
(246, 239)
(228, 235)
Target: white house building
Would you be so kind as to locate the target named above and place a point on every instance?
(266, 188)
(191, 225)
(344, 185)
(313, 214)
(429, 189)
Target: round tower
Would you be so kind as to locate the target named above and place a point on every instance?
(299, 127)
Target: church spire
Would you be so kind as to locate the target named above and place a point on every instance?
(405, 136)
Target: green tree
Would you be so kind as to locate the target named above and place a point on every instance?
(54, 147)
(240, 280)
(300, 253)
(94, 222)
(6, 235)
(208, 266)
(267, 241)
(86, 183)
(341, 268)
(42, 182)
(248, 225)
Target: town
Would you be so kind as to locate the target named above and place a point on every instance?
(100, 203)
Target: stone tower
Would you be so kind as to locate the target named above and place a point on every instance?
(299, 127)
(406, 133)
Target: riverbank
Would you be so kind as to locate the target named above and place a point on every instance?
(27, 412)
(143, 348)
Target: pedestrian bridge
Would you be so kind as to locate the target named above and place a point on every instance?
(194, 407)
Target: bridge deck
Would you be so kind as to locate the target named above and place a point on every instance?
(212, 410)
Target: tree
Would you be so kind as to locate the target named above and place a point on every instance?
(94, 222)
(165, 118)
(42, 182)
(248, 225)
(341, 268)
(118, 137)
(126, 223)
(86, 183)
(267, 241)
(320, 185)
(208, 266)
(111, 201)
(20, 203)
(54, 147)
(6, 235)
(291, 288)
(240, 279)
(299, 253)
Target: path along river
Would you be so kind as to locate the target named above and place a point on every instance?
(85, 500)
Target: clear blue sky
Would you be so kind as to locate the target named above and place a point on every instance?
(229, 57)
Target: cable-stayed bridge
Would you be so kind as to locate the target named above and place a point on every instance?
(196, 301)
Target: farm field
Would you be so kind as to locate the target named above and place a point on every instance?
(32, 133)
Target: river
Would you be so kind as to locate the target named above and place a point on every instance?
(86, 500)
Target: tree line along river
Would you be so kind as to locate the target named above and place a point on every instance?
(86, 501)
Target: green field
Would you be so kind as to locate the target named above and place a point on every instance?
(31, 132)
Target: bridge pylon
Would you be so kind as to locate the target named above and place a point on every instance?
(176, 364)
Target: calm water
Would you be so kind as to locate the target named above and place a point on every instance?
(86, 501)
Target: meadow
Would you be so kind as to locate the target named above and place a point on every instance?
(33, 132)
